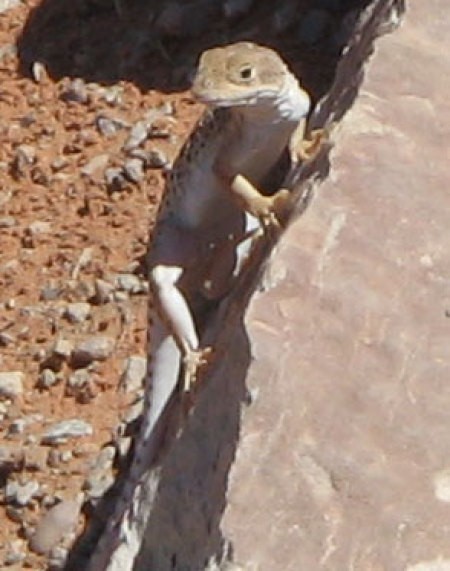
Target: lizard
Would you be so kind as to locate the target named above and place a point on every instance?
(211, 211)
(257, 108)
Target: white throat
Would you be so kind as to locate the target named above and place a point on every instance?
(290, 104)
(293, 102)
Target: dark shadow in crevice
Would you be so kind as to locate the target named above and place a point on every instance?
(156, 46)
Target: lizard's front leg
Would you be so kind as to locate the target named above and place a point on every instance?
(174, 310)
(268, 209)
(304, 148)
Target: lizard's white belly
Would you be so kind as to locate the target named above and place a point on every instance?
(205, 201)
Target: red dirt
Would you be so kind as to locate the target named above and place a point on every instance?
(81, 214)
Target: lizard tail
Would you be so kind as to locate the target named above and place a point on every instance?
(121, 540)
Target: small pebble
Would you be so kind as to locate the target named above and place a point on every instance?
(19, 425)
(47, 378)
(134, 170)
(15, 552)
(15, 514)
(59, 521)
(81, 386)
(66, 456)
(96, 165)
(95, 348)
(54, 458)
(63, 348)
(113, 94)
(11, 384)
(36, 458)
(138, 134)
(58, 558)
(156, 159)
(77, 312)
(115, 179)
(24, 158)
(59, 163)
(130, 283)
(100, 477)
(75, 92)
(21, 494)
(79, 378)
(50, 293)
(39, 72)
(8, 4)
(108, 127)
(8, 222)
(103, 291)
(62, 431)
(58, 355)
(39, 227)
(121, 296)
(7, 51)
(11, 458)
(97, 484)
(134, 373)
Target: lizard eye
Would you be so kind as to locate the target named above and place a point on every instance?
(246, 72)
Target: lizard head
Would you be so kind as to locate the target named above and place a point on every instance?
(240, 74)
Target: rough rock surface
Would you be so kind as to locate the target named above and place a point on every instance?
(343, 456)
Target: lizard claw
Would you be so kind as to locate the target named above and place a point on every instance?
(278, 206)
(192, 361)
(309, 148)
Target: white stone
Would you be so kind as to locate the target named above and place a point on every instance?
(11, 384)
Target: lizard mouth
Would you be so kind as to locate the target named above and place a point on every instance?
(232, 99)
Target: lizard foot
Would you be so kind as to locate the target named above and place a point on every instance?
(192, 361)
(308, 149)
(268, 209)
(274, 211)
